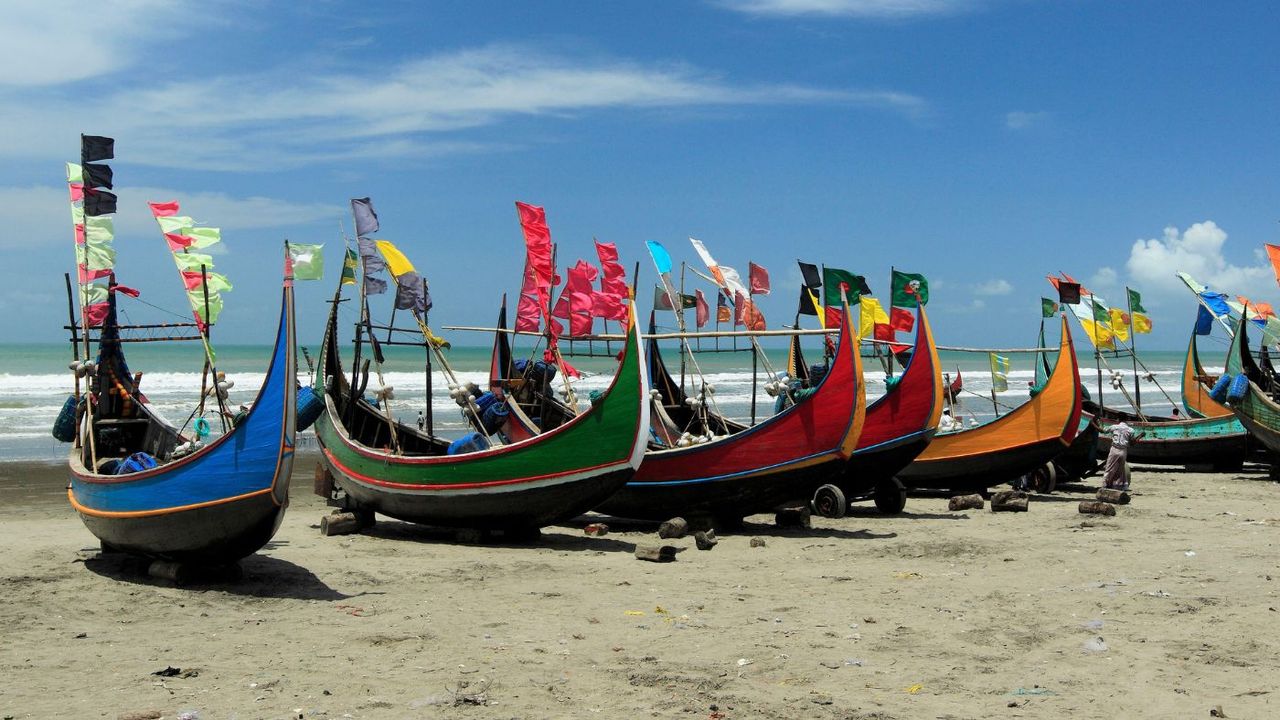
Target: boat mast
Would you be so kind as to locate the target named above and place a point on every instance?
(1133, 351)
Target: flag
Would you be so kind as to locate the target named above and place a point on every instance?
(74, 174)
(1100, 311)
(662, 301)
(722, 310)
(834, 279)
(397, 263)
(609, 306)
(702, 312)
(203, 237)
(1048, 308)
(97, 175)
(909, 289)
(98, 202)
(194, 279)
(308, 261)
(373, 263)
(809, 303)
(411, 293)
(539, 270)
(365, 218)
(205, 314)
(613, 279)
(1273, 252)
(662, 262)
(747, 314)
(901, 318)
(725, 276)
(349, 263)
(809, 272)
(577, 300)
(872, 318)
(1204, 321)
(96, 147)
(1119, 322)
(1139, 320)
(164, 209)
(758, 277)
(999, 373)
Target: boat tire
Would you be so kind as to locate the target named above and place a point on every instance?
(1044, 478)
(890, 496)
(829, 502)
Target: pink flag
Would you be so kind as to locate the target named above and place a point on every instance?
(94, 314)
(178, 242)
(79, 233)
(615, 278)
(702, 313)
(577, 302)
(87, 275)
(759, 279)
(77, 191)
(609, 306)
(192, 279)
(125, 289)
(535, 294)
(164, 209)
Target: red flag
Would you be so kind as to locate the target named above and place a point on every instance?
(883, 332)
(702, 313)
(131, 292)
(901, 319)
(535, 295)
(609, 306)
(1273, 253)
(87, 275)
(178, 242)
(79, 233)
(192, 279)
(759, 279)
(164, 209)
(577, 303)
(94, 314)
(833, 317)
(747, 314)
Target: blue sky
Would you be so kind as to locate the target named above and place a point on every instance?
(980, 142)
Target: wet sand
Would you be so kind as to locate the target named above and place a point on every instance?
(1168, 609)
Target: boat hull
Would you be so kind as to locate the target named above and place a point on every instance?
(979, 472)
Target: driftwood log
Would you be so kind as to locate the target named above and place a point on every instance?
(175, 572)
(705, 540)
(339, 523)
(1113, 496)
(673, 529)
(323, 482)
(655, 553)
(1009, 501)
(966, 502)
(799, 517)
(1095, 507)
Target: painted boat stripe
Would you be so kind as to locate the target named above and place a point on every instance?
(531, 479)
(160, 511)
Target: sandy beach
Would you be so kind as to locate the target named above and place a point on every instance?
(1168, 609)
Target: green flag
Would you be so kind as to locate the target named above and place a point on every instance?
(308, 261)
(832, 278)
(1135, 301)
(1100, 312)
(196, 298)
(662, 301)
(1048, 308)
(908, 289)
(999, 372)
(192, 261)
(204, 236)
(349, 264)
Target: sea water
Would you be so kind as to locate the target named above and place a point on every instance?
(35, 381)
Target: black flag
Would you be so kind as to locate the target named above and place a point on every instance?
(812, 278)
(96, 147)
(1068, 293)
(98, 202)
(809, 303)
(97, 175)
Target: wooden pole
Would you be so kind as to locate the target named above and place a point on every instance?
(1133, 352)
(431, 425)
(754, 384)
(208, 345)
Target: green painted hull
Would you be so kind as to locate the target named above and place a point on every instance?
(535, 482)
(1259, 414)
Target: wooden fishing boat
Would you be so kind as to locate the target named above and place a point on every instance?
(1253, 405)
(215, 505)
(899, 426)
(526, 484)
(1215, 440)
(951, 393)
(1009, 446)
(752, 468)
(1196, 384)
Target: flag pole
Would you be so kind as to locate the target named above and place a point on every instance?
(1097, 351)
(1133, 351)
(679, 308)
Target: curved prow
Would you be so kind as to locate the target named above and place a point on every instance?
(1195, 386)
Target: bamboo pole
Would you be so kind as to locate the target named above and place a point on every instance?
(1133, 351)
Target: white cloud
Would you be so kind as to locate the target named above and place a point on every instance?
(993, 287)
(285, 117)
(890, 9)
(41, 215)
(59, 41)
(1197, 251)
(1022, 120)
(1103, 279)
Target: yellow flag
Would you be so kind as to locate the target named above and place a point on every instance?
(1141, 323)
(1120, 324)
(397, 263)
(872, 314)
(1099, 334)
